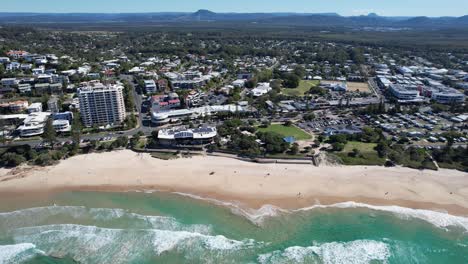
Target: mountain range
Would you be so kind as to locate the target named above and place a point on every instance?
(290, 19)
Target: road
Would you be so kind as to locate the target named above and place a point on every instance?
(138, 100)
(375, 88)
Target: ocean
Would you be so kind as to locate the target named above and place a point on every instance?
(139, 227)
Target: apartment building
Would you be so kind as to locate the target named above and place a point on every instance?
(150, 86)
(101, 105)
(403, 94)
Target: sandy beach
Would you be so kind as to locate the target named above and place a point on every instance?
(251, 184)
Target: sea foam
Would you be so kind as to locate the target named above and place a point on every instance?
(258, 216)
(354, 252)
(106, 245)
(438, 219)
(17, 253)
(42, 215)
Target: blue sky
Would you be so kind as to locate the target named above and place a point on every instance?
(343, 7)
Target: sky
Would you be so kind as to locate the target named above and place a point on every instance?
(343, 7)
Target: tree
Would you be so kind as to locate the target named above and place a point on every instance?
(357, 56)
(274, 142)
(49, 132)
(294, 149)
(121, 141)
(76, 128)
(265, 75)
(337, 146)
(300, 71)
(135, 139)
(44, 159)
(252, 83)
(382, 148)
(309, 117)
(355, 153)
(318, 90)
(11, 159)
(291, 81)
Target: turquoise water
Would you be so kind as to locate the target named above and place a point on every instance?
(88, 227)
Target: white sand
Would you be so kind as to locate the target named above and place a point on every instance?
(286, 185)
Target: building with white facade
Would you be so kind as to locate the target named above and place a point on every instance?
(35, 107)
(181, 136)
(160, 118)
(101, 105)
(261, 89)
(33, 125)
(448, 96)
(61, 125)
(404, 94)
(150, 86)
(9, 82)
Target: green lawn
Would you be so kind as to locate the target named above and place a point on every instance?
(368, 155)
(304, 87)
(363, 147)
(287, 131)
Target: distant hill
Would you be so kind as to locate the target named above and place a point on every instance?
(291, 19)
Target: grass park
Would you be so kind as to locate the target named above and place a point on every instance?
(287, 131)
(367, 154)
(302, 89)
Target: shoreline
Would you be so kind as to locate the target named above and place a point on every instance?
(247, 184)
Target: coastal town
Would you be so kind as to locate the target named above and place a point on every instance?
(266, 132)
(318, 102)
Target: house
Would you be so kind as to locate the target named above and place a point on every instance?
(8, 82)
(15, 106)
(14, 66)
(24, 88)
(44, 78)
(245, 76)
(238, 83)
(63, 116)
(94, 75)
(261, 89)
(4, 60)
(17, 54)
(37, 71)
(26, 66)
(35, 107)
(136, 70)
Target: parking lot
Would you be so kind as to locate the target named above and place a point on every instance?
(423, 128)
(318, 125)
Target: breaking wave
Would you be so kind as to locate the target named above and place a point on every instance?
(354, 252)
(44, 215)
(17, 253)
(438, 219)
(104, 245)
(257, 216)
